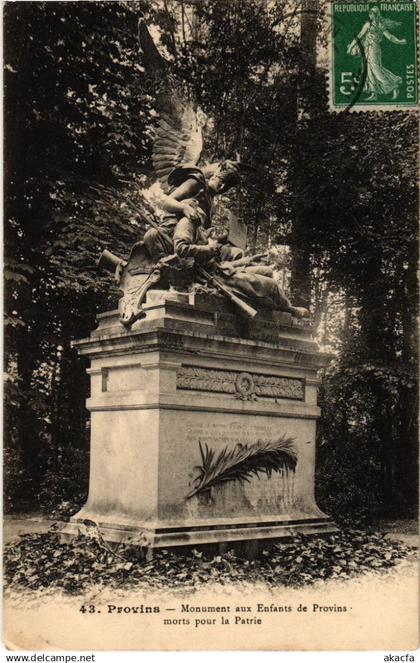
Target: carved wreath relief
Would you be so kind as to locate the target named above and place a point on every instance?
(246, 386)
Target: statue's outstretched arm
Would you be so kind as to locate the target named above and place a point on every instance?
(394, 39)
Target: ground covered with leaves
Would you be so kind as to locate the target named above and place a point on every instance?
(41, 562)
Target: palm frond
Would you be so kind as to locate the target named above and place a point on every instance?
(242, 462)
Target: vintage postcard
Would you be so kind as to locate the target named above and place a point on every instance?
(210, 436)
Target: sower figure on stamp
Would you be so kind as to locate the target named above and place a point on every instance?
(379, 80)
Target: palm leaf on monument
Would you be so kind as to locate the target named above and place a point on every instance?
(242, 462)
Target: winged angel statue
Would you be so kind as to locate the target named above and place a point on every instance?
(179, 251)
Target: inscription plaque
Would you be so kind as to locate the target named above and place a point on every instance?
(230, 433)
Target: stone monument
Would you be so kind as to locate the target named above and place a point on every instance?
(182, 405)
(204, 381)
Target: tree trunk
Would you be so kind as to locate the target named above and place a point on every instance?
(300, 241)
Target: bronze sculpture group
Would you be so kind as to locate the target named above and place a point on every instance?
(180, 251)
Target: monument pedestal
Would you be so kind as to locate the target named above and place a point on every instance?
(191, 378)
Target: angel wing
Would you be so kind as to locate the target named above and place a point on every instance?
(178, 141)
(179, 138)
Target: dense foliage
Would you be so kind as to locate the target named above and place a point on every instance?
(339, 190)
(40, 562)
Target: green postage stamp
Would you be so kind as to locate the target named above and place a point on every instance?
(373, 56)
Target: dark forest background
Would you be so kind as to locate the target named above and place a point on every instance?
(337, 207)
